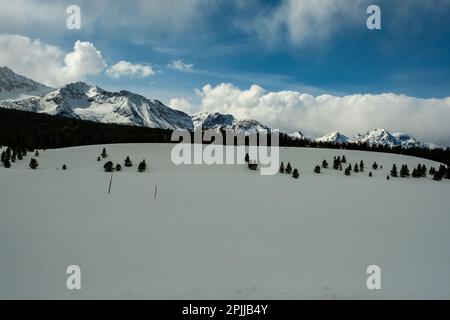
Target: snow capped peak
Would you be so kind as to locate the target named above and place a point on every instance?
(376, 137)
(334, 137)
(216, 120)
(14, 86)
(297, 135)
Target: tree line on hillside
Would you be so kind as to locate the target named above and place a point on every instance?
(41, 131)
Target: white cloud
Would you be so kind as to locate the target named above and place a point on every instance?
(181, 66)
(128, 69)
(47, 63)
(303, 21)
(427, 119)
(181, 104)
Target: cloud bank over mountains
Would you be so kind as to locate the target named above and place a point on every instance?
(427, 119)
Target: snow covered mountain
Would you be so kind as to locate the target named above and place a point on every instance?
(14, 86)
(334, 137)
(217, 120)
(297, 135)
(86, 102)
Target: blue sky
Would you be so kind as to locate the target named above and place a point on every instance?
(316, 47)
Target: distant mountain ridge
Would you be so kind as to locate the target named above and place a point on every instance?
(89, 102)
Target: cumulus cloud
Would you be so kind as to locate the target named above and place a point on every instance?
(181, 104)
(181, 66)
(128, 69)
(49, 64)
(426, 119)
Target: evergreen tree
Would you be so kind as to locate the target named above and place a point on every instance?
(295, 174)
(387, 177)
(437, 176)
(108, 166)
(414, 173)
(128, 162)
(375, 166)
(361, 166)
(394, 172)
(336, 163)
(348, 171)
(317, 169)
(247, 158)
(356, 169)
(423, 171)
(64, 167)
(281, 167)
(381, 167)
(118, 167)
(432, 171)
(33, 163)
(324, 164)
(344, 160)
(288, 168)
(98, 158)
(6, 163)
(36, 154)
(104, 154)
(142, 166)
(370, 173)
(404, 171)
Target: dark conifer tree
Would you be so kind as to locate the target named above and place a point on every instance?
(317, 169)
(33, 163)
(432, 171)
(387, 177)
(375, 166)
(295, 174)
(344, 160)
(324, 164)
(118, 167)
(36, 154)
(361, 166)
(104, 154)
(370, 173)
(437, 176)
(356, 169)
(288, 168)
(142, 166)
(6, 163)
(423, 172)
(128, 162)
(414, 173)
(98, 158)
(348, 171)
(281, 167)
(108, 166)
(64, 167)
(394, 172)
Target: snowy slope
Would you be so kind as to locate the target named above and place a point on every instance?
(222, 231)
(14, 86)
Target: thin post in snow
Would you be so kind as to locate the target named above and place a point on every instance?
(110, 182)
(156, 190)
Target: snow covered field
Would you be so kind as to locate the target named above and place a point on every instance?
(220, 232)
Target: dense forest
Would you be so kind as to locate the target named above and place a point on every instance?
(41, 131)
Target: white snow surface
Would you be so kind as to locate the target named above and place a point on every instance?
(221, 231)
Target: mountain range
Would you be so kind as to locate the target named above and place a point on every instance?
(87, 102)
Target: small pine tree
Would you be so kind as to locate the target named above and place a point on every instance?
(118, 167)
(288, 168)
(370, 173)
(375, 166)
(36, 154)
(423, 171)
(432, 171)
(414, 173)
(295, 174)
(33, 163)
(344, 160)
(348, 171)
(142, 166)
(387, 177)
(361, 166)
(356, 169)
(317, 169)
(128, 162)
(324, 164)
(6, 163)
(98, 158)
(437, 176)
(394, 172)
(108, 166)
(381, 167)
(104, 154)
(281, 167)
